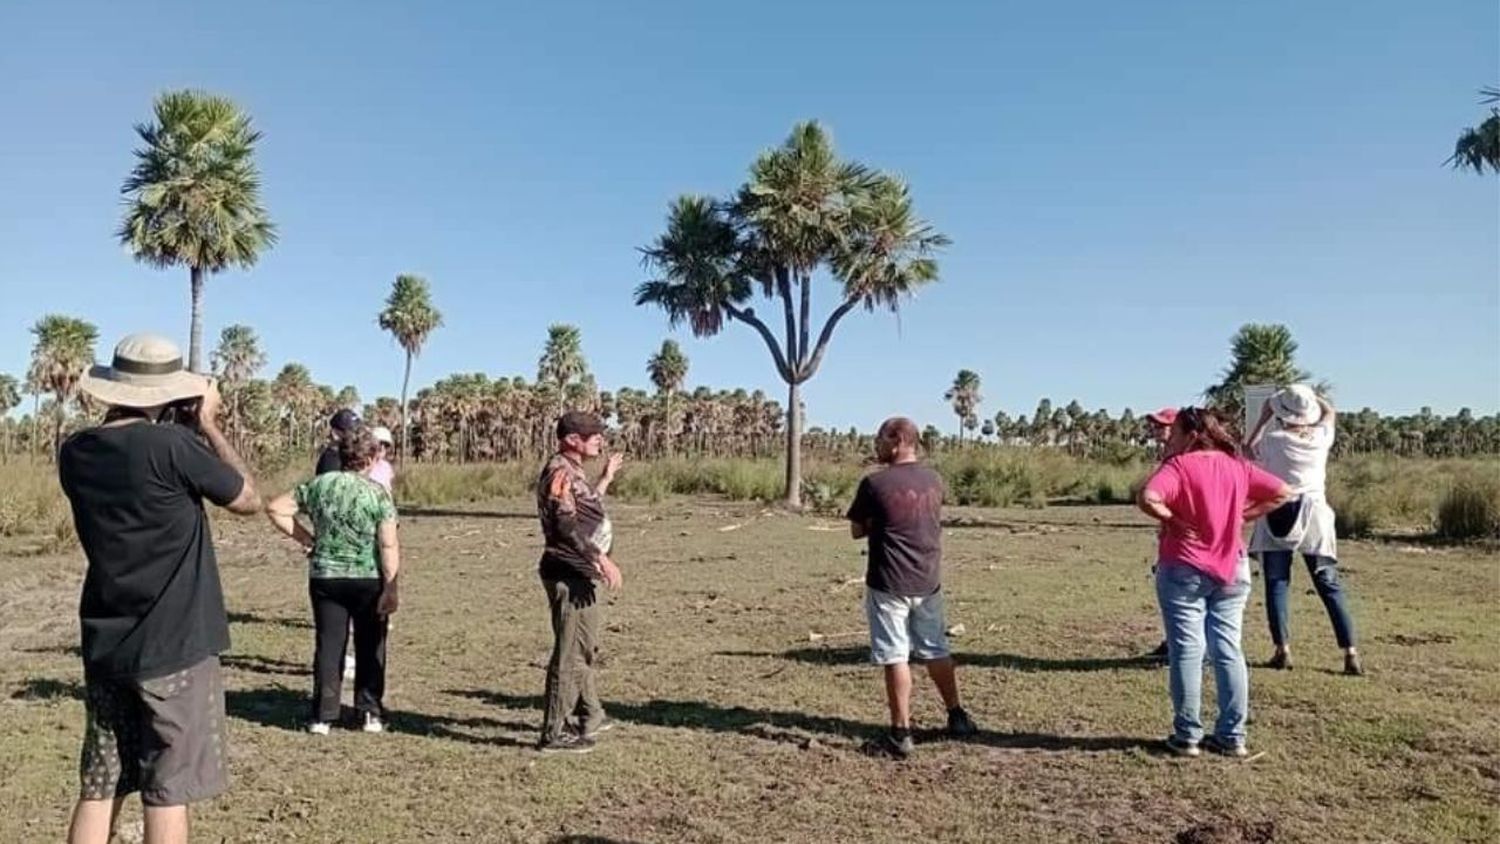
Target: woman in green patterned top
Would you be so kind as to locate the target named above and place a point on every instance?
(353, 558)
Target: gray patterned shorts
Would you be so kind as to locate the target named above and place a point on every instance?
(163, 737)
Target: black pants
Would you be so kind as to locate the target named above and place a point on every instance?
(336, 602)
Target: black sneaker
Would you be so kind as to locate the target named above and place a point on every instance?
(1282, 661)
(566, 743)
(960, 725)
(1225, 747)
(898, 744)
(1182, 747)
(1352, 665)
(1160, 652)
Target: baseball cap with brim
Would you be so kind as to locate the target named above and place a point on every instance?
(1296, 405)
(580, 423)
(146, 372)
(382, 434)
(344, 420)
(1166, 416)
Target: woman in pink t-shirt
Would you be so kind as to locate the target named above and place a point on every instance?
(1203, 496)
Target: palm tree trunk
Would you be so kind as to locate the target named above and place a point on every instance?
(794, 445)
(668, 426)
(195, 329)
(405, 425)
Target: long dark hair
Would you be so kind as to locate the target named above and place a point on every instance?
(1205, 428)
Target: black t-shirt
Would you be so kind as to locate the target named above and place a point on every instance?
(901, 509)
(329, 460)
(151, 603)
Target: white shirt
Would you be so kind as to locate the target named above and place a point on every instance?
(1298, 456)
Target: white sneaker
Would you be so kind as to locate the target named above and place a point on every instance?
(373, 724)
(319, 728)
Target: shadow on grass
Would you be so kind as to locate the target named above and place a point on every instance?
(464, 514)
(269, 706)
(48, 689)
(765, 724)
(860, 655)
(264, 665)
(281, 708)
(252, 618)
(63, 650)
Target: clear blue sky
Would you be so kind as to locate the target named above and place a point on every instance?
(1125, 183)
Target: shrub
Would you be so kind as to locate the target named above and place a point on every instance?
(1470, 509)
(1354, 519)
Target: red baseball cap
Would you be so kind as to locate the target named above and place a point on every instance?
(1165, 416)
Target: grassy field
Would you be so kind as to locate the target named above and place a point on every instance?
(734, 660)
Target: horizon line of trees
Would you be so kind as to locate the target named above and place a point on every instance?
(476, 417)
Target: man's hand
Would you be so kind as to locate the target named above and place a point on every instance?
(609, 572)
(390, 599)
(613, 464)
(209, 405)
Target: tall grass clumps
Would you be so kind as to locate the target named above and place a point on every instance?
(1470, 509)
(436, 484)
(1402, 495)
(994, 477)
(31, 502)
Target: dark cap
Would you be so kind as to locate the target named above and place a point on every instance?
(344, 421)
(580, 423)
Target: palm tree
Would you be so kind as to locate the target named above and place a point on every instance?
(1478, 147)
(193, 197)
(1260, 354)
(965, 398)
(562, 363)
(235, 361)
(64, 349)
(10, 399)
(668, 368)
(803, 208)
(410, 318)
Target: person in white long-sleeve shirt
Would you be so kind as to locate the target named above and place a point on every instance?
(1292, 441)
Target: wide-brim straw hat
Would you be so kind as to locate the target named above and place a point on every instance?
(146, 372)
(1296, 405)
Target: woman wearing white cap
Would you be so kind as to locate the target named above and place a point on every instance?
(1295, 448)
(381, 471)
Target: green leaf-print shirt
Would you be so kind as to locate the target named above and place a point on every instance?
(345, 509)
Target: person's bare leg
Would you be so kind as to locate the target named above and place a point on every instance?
(946, 679)
(94, 820)
(166, 825)
(898, 694)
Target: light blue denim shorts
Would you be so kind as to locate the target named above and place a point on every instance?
(905, 629)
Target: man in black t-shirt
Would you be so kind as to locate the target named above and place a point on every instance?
(340, 424)
(899, 510)
(152, 610)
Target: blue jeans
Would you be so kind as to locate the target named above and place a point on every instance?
(1200, 613)
(1277, 566)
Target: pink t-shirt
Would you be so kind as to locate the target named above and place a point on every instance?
(381, 473)
(1208, 490)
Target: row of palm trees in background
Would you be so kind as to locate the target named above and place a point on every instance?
(475, 417)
